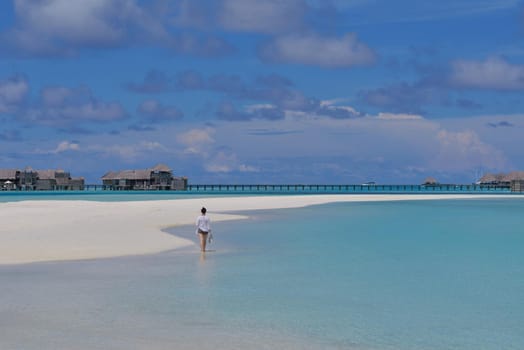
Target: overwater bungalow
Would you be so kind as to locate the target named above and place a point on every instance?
(430, 181)
(159, 177)
(39, 180)
(8, 178)
(513, 180)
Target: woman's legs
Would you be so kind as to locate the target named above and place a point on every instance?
(203, 240)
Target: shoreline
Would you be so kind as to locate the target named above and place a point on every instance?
(64, 230)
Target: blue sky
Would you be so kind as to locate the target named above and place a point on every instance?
(264, 91)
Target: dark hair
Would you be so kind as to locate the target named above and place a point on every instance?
(203, 210)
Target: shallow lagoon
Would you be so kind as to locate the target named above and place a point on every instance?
(393, 275)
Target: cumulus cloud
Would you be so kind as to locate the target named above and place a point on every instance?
(13, 92)
(66, 146)
(492, 73)
(201, 143)
(465, 150)
(314, 49)
(64, 27)
(154, 82)
(198, 14)
(269, 16)
(465, 103)
(227, 162)
(503, 124)
(437, 86)
(153, 111)
(228, 111)
(274, 97)
(196, 141)
(62, 106)
(402, 97)
(402, 147)
(129, 152)
(200, 44)
(397, 116)
(333, 110)
(61, 148)
(190, 80)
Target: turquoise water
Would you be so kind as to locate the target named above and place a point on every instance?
(100, 196)
(394, 275)
(236, 190)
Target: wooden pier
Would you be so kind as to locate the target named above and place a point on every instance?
(318, 188)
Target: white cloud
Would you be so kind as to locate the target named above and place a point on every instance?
(129, 152)
(196, 141)
(312, 49)
(248, 168)
(66, 115)
(63, 146)
(196, 136)
(12, 93)
(227, 162)
(61, 26)
(66, 146)
(200, 143)
(268, 16)
(333, 102)
(399, 116)
(55, 96)
(333, 106)
(257, 107)
(62, 106)
(404, 11)
(155, 112)
(151, 146)
(387, 146)
(465, 150)
(493, 73)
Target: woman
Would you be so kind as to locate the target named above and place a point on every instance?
(203, 228)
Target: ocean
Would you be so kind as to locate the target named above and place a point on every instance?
(442, 274)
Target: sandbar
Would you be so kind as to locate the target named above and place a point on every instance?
(58, 230)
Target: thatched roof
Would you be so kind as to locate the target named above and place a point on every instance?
(8, 174)
(136, 174)
(488, 178)
(128, 174)
(514, 175)
(46, 174)
(430, 181)
(109, 175)
(141, 174)
(497, 178)
(161, 167)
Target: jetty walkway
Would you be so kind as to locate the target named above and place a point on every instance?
(320, 188)
(303, 188)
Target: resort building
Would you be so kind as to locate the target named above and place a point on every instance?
(513, 180)
(39, 180)
(159, 177)
(430, 181)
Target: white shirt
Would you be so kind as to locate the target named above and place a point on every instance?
(203, 223)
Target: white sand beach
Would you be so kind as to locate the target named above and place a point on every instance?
(38, 231)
